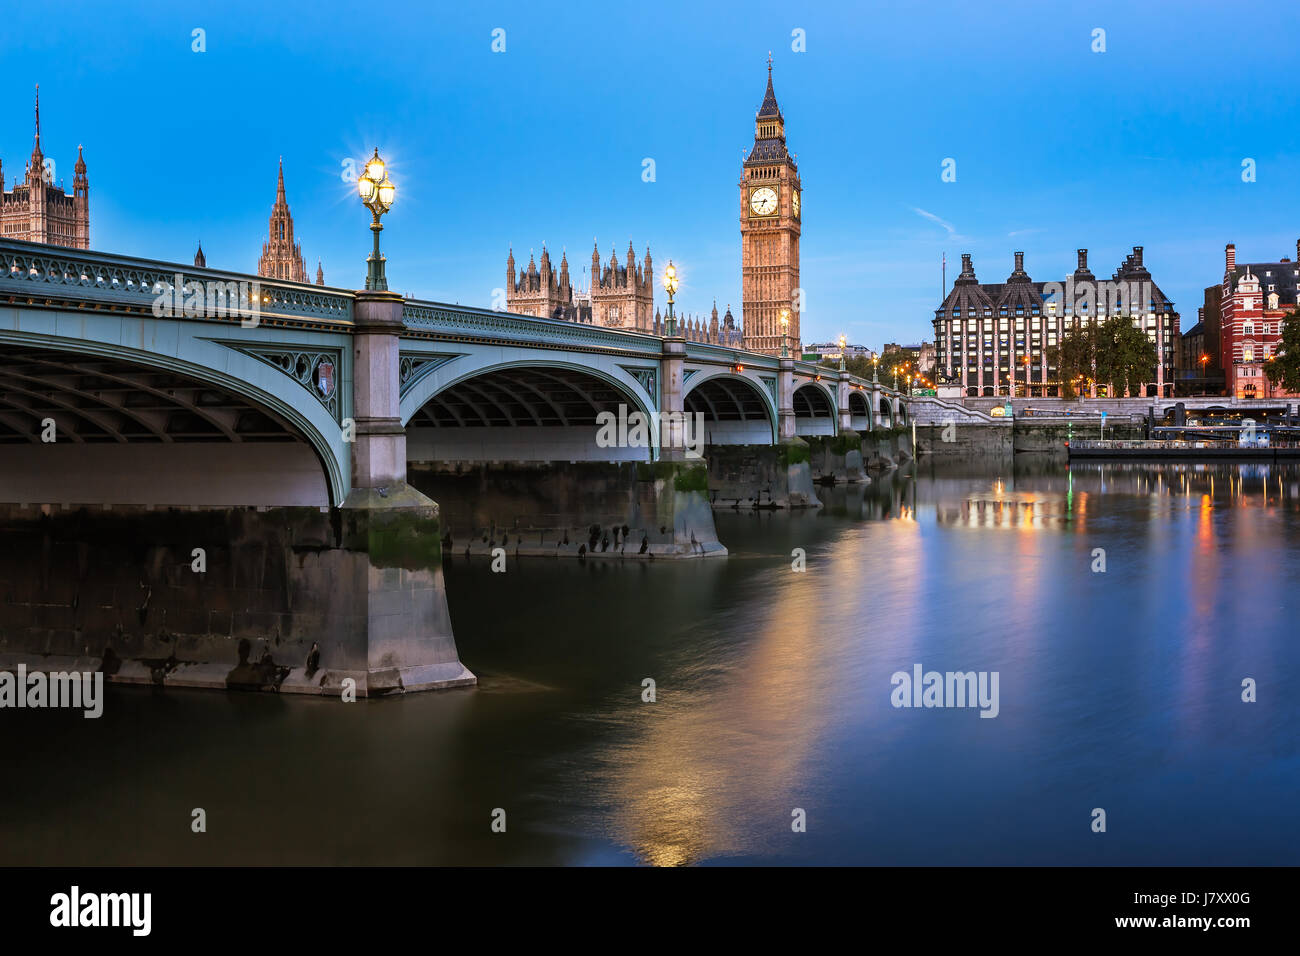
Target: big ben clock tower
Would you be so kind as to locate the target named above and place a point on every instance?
(769, 233)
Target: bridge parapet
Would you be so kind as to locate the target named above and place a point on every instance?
(34, 271)
(419, 315)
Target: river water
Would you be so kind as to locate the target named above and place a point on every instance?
(1118, 689)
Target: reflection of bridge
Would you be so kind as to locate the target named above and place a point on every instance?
(205, 409)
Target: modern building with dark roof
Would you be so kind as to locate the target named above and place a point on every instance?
(996, 338)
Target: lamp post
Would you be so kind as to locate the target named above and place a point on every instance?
(785, 328)
(1026, 360)
(670, 285)
(842, 342)
(875, 371)
(1205, 386)
(377, 194)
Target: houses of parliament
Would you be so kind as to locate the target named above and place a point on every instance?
(38, 210)
(621, 295)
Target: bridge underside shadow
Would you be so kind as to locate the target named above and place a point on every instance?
(860, 412)
(557, 461)
(177, 533)
(733, 410)
(528, 413)
(814, 414)
(81, 429)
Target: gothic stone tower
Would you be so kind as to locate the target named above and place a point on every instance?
(623, 296)
(769, 232)
(38, 210)
(543, 292)
(281, 255)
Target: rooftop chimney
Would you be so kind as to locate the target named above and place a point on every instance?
(1020, 262)
(1083, 260)
(1137, 256)
(1230, 257)
(966, 268)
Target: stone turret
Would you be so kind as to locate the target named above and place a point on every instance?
(281, 253)
(37, 209)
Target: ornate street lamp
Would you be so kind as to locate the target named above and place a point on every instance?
(377, 194)
(785, 328)
(842, 341)
(670, 284)
(875, 376)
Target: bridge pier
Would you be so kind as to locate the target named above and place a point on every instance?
(393, 529)
(672, 444)
(294, 600)
(379, 452)
(785, 403)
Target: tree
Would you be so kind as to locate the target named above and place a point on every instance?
(858, 365)
(1127, 355)
(1114, 352)
(1074, 356)
(1283, 369)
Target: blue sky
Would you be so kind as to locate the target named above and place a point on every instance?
(1056, 146)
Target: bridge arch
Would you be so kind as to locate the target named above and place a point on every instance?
(860, 410)
(886, 419)
(201, 425)
(814, 409)
(900, 412)
(736, 409)
(527, 409)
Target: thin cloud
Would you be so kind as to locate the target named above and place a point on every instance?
(952, 231)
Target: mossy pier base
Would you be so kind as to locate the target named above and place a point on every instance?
(574, 509)
(836, 459)
(762, 476)
(233, 598)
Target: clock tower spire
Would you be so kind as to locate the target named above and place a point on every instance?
(770, 204)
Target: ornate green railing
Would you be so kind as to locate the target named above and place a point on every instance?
(37, 270)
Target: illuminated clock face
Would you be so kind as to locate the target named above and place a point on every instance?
(763, 201)
(795, 198)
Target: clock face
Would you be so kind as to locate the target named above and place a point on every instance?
(763, 201)
(795, 198)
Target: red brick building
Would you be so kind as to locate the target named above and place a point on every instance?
(1256, 298)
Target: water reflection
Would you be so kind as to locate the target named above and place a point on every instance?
(1119, 689)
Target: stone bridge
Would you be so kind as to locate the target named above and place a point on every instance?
(150, 412)
(310, 392)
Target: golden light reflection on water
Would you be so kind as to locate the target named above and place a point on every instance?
(708, 751)
(690, 780)
(714, 767)
(1072, 499)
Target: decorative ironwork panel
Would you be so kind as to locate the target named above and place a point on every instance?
(414, 366)
(646, 377)
(315, 369)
